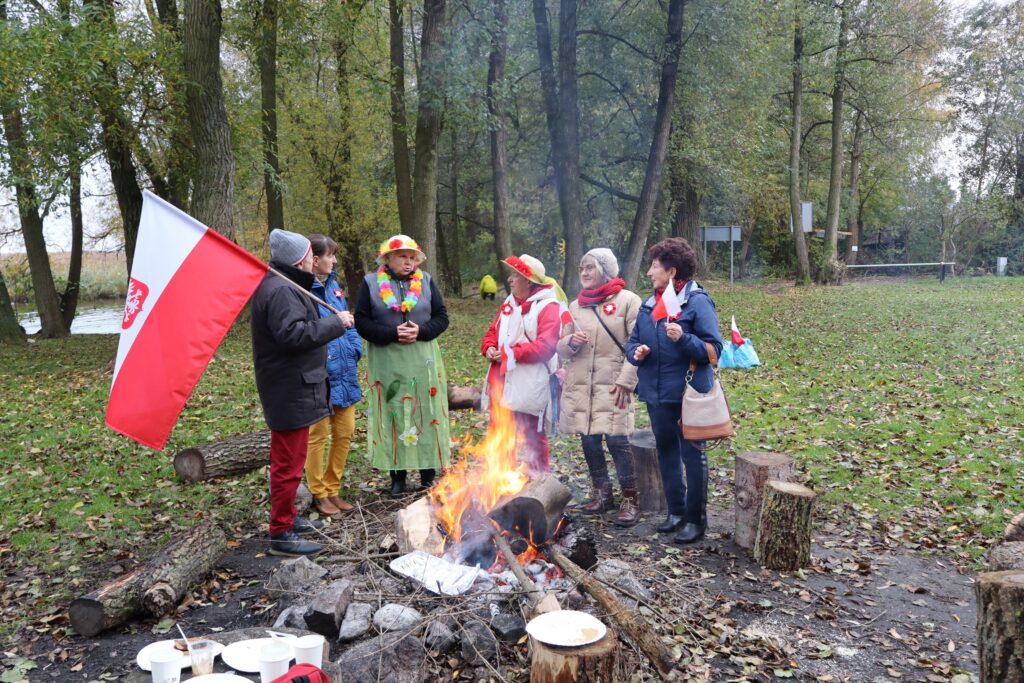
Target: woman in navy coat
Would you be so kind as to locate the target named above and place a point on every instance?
(662, 346)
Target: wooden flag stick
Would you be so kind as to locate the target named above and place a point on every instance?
(299, 287)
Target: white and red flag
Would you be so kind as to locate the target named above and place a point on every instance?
(188, 284)
(668, 306)
(737, 338)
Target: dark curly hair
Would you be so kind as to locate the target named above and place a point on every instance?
(675, 252)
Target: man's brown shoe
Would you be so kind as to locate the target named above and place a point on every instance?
(629, 511)
(325, 507)
(340, 504)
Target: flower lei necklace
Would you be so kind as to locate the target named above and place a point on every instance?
(387, 292)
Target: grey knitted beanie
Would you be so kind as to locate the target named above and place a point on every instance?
(606, 261)
(288, 247)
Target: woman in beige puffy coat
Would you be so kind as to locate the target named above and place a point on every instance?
(598, 393)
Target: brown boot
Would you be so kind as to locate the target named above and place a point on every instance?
(341, 504)
(600, 501)
(325, 507)
(629, 511)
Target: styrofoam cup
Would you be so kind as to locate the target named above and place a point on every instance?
(274, 660)
(309, 650)
(165, 666)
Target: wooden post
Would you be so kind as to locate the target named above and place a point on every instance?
(1000, 597)
(784, 532)
(594, 663)
(648, 473)
(752, 471)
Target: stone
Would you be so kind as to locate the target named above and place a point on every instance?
(328, 607)
(619, 575)
(356, 622)
(395, 617)
(292, 581)
(391, 657)
(292, 617)
(478, 643)
(438, 636)
(508, 627)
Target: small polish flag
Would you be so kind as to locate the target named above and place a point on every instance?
(737, 338)
(565, 317)
(668, 305)
(188, 284)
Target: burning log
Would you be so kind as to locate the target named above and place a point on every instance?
(630, 622)
(595, 663)
(536, 511)
(784, 532)
(235, 455)
(539, 602)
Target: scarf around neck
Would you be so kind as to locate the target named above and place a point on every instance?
(591, 296)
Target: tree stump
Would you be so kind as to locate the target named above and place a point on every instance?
(784, 532)
(594, 663)
(1006, 556)
(752, 471)
(1000, 597)
(648, 473)
(232, 456)
(1015, 529)
(180, 565)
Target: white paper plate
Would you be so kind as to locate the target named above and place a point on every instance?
(142, 659)
(220, 678)
(245, 654)
(566, 628)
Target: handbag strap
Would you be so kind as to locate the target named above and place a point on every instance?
(712, 358)
(614, 338)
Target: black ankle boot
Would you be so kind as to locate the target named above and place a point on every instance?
(426, 478)
(690, 533)
(671, 523)
(397, 483)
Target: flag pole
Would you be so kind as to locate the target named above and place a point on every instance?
(299, 287)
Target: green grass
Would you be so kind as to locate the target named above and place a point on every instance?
(902, 403)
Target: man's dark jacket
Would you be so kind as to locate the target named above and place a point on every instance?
(289, 350)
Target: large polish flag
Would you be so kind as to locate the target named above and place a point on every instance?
(187, 285)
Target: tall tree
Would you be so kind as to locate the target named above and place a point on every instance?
(213, 187)
(10, 331)
(803, 272)
(496, 103)
(399, 120)
(831, 270)
(268, 114)
(853, 214)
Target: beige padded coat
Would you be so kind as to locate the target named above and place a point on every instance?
(588, 406)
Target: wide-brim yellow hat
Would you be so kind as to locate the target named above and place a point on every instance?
(397, 243)
(527, 266)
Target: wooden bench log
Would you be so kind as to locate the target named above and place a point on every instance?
(784, 532)
(648, 473)
(230, 457)
(594, 663)
(1006, 556)
(1000, 598)
(1015, 529)
(753, 469)
(463, 398)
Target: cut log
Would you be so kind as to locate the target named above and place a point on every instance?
(463, 398)
(648, 473)
(578, 543)
(181, 564)
(752, 471)
(632, 623)
(535, 595)
(232, 456)
(1000, 597)
(1006, 556)
(1015, 529)
(536, 511)
(416, 529)
(109, 605)
(594, 663)
(784, 531)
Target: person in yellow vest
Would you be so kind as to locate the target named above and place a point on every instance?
(488, 287)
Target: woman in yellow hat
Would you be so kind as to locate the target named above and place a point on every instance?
(401, 313)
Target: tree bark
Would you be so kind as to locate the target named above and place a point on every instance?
(784, 530)
(1006, 556)
(213, 187)
(648, 473)
(109, 605)
(536, 511)
(853, 218)
(10, 331)
(449, 238)
(428, 129)
(1015, 529)
(234, 455)
(686, 220)
(268, 114)
(803, 265)
(399, 123)
(593, 663)
(1000, 598)
(69, 299)
(499, 133)
(753, 470)
(831, 271)
(659, 145)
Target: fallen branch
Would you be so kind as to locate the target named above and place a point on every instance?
(538, 601)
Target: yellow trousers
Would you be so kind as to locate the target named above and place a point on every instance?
(341, 425)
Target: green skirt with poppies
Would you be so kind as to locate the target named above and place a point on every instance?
(407, 405)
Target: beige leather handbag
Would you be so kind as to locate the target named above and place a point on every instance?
(705, 417)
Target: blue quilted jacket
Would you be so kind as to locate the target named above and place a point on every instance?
(344, 352)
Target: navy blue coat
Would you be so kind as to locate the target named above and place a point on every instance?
(343, 353)
(662, 374)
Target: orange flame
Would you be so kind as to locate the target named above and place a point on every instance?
(490, 471)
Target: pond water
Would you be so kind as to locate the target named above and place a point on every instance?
(92, 317)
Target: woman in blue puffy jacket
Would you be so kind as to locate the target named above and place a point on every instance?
(343, 354)
(663, 345)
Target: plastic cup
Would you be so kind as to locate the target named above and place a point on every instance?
(202, 653)
(309, 650)
(165, 666)
(274, 660)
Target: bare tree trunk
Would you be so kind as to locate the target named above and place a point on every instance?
(341, 223)
(746, 230)
(803, 265)
(449, 240)
(686, 221)
(853, 217)
(831, 271)
(399, 124)
(213, 188)
(268, 96)
(428, 129)
(10, 331)
(69, 299)
(659, 144)
(499, 134)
